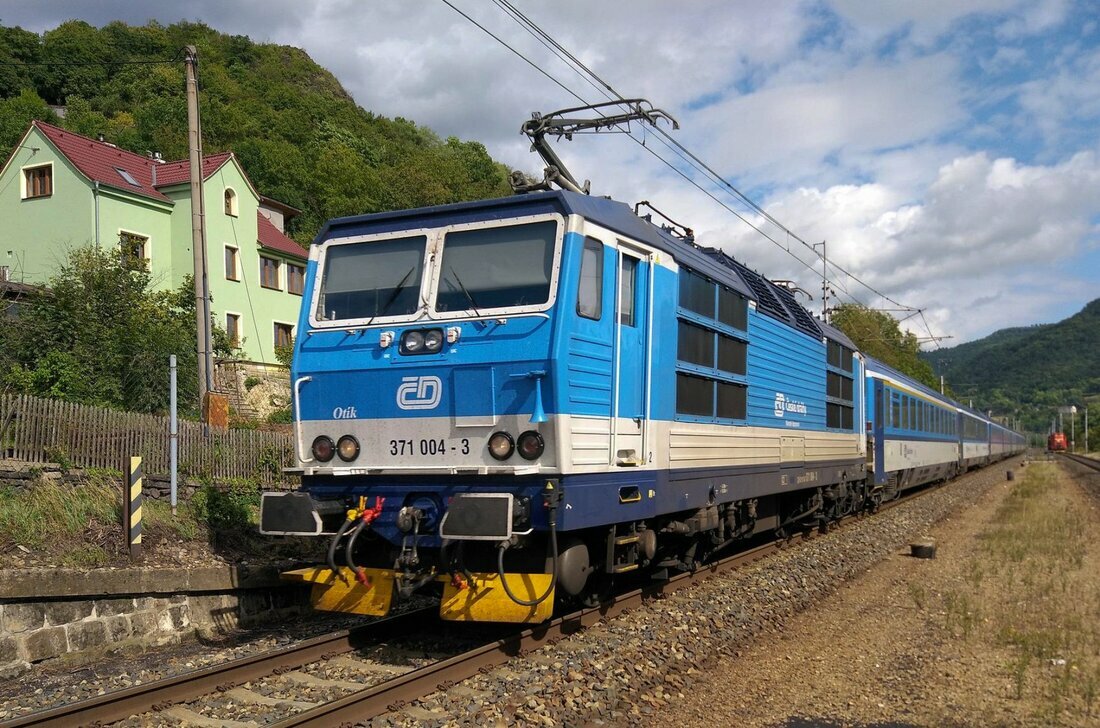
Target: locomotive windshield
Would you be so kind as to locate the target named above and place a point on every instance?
(497, 267)
(366, 280)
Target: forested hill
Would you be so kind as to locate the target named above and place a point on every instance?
(1040, 367)
(300, 136)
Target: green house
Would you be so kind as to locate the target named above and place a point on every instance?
(60, 190)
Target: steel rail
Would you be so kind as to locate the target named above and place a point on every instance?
(1083, 459)
(121, 704)
(395, 693)
(392, 694)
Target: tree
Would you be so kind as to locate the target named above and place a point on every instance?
(299, 134)
(877, 334)
(100, 336)
(16, 114)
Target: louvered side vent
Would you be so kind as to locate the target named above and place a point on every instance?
(802, 320)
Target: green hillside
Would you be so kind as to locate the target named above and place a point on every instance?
(300, 136)
(1032, 370)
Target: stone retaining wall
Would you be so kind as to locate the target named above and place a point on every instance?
(82, 628)
(18, 474)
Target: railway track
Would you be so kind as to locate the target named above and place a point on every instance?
(368, 686)
(1086, 461)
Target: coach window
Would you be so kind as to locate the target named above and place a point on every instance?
(590, 290)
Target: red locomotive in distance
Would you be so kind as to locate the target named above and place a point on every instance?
(1056, 442)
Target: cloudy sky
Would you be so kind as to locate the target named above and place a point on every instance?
(947, 150)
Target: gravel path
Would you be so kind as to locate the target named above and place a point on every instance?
(632, 669)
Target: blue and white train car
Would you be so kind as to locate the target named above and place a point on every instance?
(914, 430)
(919, 435)
(974, 435)
(518, 399)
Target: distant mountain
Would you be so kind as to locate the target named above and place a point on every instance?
(1029, 370)
(300, 136)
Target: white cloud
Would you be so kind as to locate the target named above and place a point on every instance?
(865, 132)
(985, 230)
(787, 130)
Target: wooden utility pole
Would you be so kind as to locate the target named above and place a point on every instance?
(198, 232)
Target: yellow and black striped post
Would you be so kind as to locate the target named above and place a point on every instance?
(133, 507)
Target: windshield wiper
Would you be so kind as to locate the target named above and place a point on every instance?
(393, 296)
(469, 298)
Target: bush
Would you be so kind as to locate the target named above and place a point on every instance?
(230, 508)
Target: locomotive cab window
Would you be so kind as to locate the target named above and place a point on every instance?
(590, 288)
(498, 267)
(367, 280)
(628, 271)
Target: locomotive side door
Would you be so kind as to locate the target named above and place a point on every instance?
(633, 354)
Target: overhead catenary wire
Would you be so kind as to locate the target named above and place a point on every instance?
(594, 80)
(683, 151)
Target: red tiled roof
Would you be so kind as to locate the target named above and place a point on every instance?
(100, 162)
(174, 173)
(270, 237)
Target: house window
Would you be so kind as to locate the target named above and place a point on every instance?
(231, 264)
(128, 177)
(230, 202)
(134, 249)
(295, 278)
(233, 328)
(284, 335)
(269, 273)
(38, 181)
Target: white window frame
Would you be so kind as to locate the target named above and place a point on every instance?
(23, 180)
(148, 244)
(286, 268)
(240, 327)
(293, 331)
(236, 260)
(234, 205)
(434, 249)
(278, 273)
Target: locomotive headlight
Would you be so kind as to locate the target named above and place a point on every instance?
(501, 445)
(412, 342)
(530, 445)
(433, 340)
(347, 448)
(323, 448)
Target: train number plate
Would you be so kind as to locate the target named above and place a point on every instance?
(427, 447)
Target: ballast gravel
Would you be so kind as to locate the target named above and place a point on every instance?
(626, 670)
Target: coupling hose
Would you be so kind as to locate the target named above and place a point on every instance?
(554, 568)
(331, 561)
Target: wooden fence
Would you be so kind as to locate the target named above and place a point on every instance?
(39, 430)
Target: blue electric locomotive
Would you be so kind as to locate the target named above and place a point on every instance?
(516, 401)
(521, 398)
